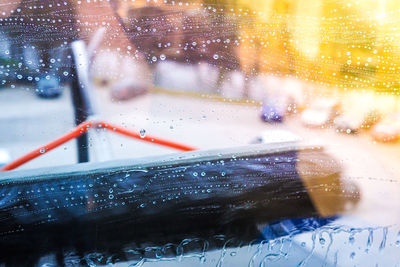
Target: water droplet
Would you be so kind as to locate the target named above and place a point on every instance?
(142, 133)
(42, 150)
(216, 56)
(162, 57)
(384, 237)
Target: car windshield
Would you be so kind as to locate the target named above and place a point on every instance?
(199, 133)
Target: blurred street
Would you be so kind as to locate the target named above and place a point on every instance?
(207, 124)
(199, 122)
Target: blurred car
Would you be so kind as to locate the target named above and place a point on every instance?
(276, 136)
(320, 113)
(347, 124)
(48, 87)
(388, 130)
(125, 90)
(353, 123)
(272, 113)
(370, 119)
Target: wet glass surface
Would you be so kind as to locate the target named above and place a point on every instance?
(292, 105)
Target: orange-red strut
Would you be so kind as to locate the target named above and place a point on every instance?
(83, 128)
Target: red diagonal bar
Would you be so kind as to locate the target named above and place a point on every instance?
(147, 138)
(81, 129)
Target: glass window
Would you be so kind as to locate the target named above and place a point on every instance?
(199, 133)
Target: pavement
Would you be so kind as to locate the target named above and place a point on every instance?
(27, 122)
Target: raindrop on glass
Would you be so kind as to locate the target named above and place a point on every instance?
(142, 133)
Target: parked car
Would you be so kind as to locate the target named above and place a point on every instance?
(349, 124)
(388, 130)
(320, 113)
(49, 87)
(272, 112)
(352, 123)
(370, 119)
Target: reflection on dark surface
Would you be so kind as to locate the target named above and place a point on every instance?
(119, 212)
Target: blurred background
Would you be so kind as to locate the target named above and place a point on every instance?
(216, 74)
